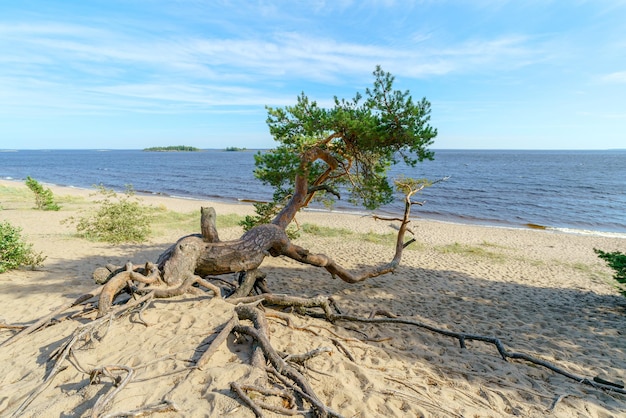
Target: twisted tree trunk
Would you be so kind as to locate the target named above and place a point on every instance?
(204, 254)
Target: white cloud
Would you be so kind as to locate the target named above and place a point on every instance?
(616, 77)
(111, 67)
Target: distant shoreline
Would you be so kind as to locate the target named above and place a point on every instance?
(173, 148)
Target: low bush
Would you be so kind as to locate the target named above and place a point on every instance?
(265, 212)
(118, 218)
(14, 251)
(617, 261)
(44, 199)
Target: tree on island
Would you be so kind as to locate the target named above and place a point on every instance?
(173, 148)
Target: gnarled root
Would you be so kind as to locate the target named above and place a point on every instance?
(259, 332)
(148, 274)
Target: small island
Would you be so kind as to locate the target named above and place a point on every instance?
(173, 148)
(233, 149)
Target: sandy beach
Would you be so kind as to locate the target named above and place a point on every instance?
(542, 293)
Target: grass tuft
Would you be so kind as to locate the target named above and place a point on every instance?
(469, 250)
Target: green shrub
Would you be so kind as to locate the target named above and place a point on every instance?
(616, 261)
(265, 212)
(14, 251)
(470, 250)
(44, 199)
(119, 218)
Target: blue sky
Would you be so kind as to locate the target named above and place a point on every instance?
(132, 74)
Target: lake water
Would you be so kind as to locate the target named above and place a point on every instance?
(574, 191)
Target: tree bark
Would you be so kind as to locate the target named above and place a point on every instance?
(301, 195)
(193, 255)
(208, 219)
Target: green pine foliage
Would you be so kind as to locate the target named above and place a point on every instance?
(173, 148)
(617, 261)
(15, 251)
(264, 213)
(348, 147)
(44, 199)
(117, 219)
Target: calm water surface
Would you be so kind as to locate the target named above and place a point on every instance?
(567, 190)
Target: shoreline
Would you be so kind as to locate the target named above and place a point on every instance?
(415, 213)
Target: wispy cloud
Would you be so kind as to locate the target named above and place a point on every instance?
(198, 57)
(618, 77)
(99, 66)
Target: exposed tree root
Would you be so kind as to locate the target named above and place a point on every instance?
(279, 365)
(504, 353)
(296, 381)
(259, 333)
(86, 333)
(165, 406)
(46, 319)
(219, 339)
(148, 274)
(118, 382)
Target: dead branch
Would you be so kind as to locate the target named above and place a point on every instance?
(343, 349)
(215, 344)
(463, 337)
(165, 406)
(46, 319)
(321, 260)
(118, 383)
(302, 358)
(148, 274)
(3, 325)
(260, 334)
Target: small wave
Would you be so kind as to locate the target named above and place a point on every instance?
(588, 232)
(342, 211)
(150, 192)
(484, 195)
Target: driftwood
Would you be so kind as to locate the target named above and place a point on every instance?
(194, 255)
(205, 255)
